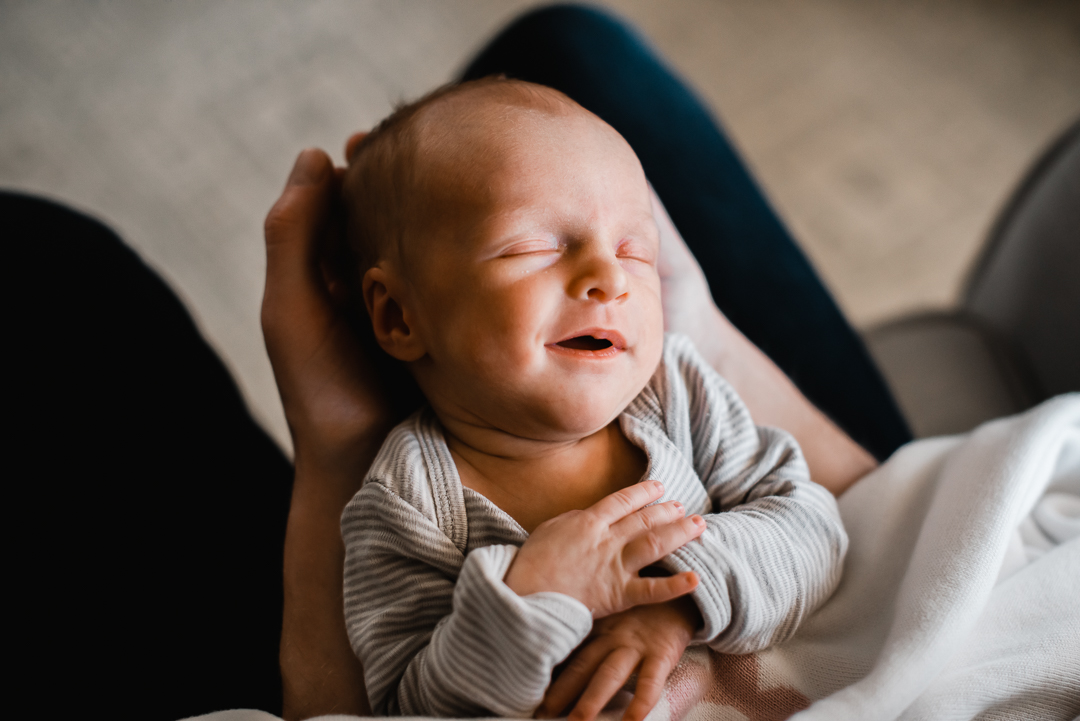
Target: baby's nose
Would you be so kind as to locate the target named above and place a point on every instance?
(602, 280)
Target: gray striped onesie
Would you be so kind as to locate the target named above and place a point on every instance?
(439, 633)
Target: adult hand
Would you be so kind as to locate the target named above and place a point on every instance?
(328, 387)
(835, 460)
(606, 545)
(688, 302)
(338, 417)
(649, 640)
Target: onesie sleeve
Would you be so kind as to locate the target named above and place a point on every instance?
(774, 543)
(440, 634)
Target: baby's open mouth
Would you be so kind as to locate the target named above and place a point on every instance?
(586, 342)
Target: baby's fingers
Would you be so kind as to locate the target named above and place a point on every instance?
(606, 682)
(650, 684)
(653, 545)
(624, 502)
(647, 591)
(657, 515)
(573, 679)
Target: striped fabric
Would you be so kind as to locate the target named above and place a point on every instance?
(438, 632)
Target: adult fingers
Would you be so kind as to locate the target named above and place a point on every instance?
(624, 502)
(650, 684)
(647, 591)
(573, 679)
(352, 144)
(293, 229)
(292, 226)
(650, 546)
(606, 682)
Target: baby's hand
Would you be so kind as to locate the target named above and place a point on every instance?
(595, 555)
(646, 639)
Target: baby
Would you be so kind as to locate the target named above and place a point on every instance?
(508, 254)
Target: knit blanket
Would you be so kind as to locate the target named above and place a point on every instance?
(960, 597)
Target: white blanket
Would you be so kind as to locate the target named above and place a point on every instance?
(960, 597)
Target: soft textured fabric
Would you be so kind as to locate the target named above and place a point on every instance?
(439, 633)
(958, 600)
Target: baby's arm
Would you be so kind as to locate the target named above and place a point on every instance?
(430, 646)
(774, 547)
(771, 556)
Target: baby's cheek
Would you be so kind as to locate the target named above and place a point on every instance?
(652, 349)
(484, 343)
(651, 312)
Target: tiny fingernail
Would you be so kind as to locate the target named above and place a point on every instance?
(698, 520)
(678, 506)
(658, 485)
(308, 169)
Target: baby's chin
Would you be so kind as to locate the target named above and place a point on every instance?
(582, 406)
(568, 421)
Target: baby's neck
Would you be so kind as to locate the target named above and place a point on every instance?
(533, 480)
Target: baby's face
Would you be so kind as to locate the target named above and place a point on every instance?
(535, 290)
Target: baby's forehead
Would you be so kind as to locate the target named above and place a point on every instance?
(488, 118)
(463, 142)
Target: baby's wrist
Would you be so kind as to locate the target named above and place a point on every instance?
(521, 581)
(525, 581)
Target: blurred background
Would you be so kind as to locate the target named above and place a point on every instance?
(888, 134)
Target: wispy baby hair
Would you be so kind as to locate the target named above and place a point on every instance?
(386, 193)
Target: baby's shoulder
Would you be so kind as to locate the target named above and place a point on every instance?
(413, 463)
(688, 401)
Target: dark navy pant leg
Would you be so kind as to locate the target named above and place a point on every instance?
(150, 507)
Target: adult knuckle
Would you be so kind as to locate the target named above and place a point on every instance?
(278, 222)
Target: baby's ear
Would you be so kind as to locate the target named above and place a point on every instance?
(388, 317)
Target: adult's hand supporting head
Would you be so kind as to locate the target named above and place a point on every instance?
(834, 459)
(327, 382)
(338, 416)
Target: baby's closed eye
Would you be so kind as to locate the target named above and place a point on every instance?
(530, 246)
(636, 249)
